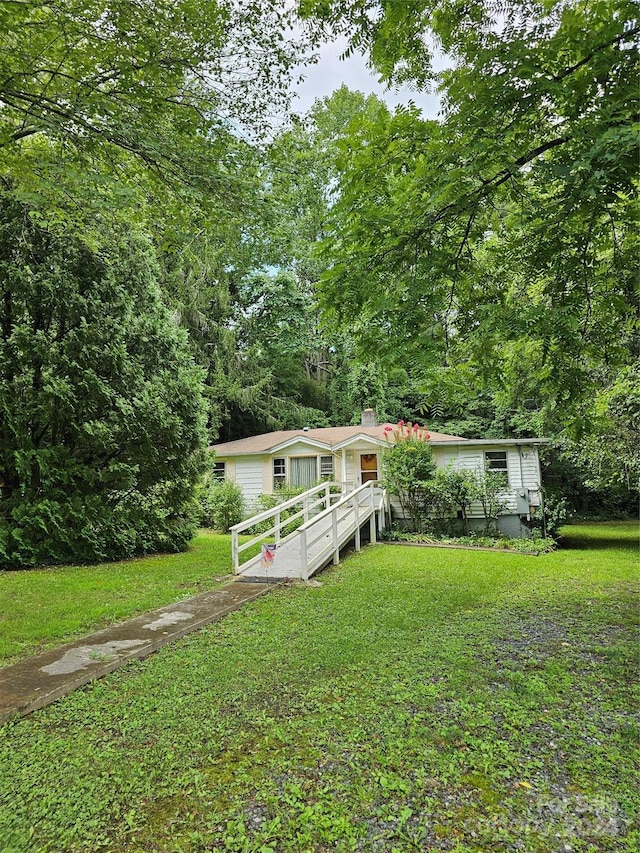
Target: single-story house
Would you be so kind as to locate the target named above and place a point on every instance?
(352, 455)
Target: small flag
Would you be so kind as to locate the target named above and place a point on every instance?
(268, 554)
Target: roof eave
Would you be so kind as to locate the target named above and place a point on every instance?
(369, 439)
(484, 442)
(297, 439)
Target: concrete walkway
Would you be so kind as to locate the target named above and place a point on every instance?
(38, 681)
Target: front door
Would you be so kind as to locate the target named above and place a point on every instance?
(368, 467)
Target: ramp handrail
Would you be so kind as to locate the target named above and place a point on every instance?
(352, 504)
(323, 494)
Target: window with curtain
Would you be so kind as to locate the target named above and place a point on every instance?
(303, 471)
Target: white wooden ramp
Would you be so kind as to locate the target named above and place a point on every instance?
(330, 519)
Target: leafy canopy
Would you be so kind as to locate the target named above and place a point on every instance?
(496, 247)
(107, 102)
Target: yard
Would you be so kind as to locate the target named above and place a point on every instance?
(419, 699)
(43, 608)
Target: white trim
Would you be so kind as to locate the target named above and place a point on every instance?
(312, 443)
(360, 437)
(332, 473)
(487, 442)
(283, 478)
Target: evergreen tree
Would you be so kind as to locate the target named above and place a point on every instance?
(101, 412)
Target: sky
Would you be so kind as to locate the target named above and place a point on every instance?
(331, 72)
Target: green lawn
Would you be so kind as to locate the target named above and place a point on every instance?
(41, 608)
(420, 699)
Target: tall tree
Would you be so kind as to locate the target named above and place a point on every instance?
(302, 177)
(101, 410)
(274, 321)
(150, 111)
(501, 240)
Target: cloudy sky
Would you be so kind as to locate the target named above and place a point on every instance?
(331, 72)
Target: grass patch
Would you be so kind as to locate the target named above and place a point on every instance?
(602, 535)
(42, 608)
(418, 700)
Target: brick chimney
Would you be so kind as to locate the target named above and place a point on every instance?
(368, 418)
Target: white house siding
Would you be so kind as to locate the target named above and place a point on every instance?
(254, 474)
(351, 467)
(249, 478)
(515, 480)
(472, 460)
(530, 467)
(442, 457)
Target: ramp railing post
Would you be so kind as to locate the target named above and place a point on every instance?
(305, 509)
(304, 559)
(334, 530)
(372, 520)
(356, 510)
(277, 526)
(235, 557)
(327, 496)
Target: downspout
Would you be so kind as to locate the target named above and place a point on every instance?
(521, 486)
(519, 446)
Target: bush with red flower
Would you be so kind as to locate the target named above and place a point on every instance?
(409, 468)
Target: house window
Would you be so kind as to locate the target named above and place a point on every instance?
(326, 467)
(279, 472)
(303, 471)
(219, 470)
(496, 460)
